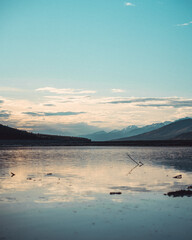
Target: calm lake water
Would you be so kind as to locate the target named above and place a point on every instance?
(64, 193)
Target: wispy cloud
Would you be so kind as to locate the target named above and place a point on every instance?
(135, 100)
(55, 99)
(65, 90)
(103, 112)
(49, 105)
(40, 114)
(117, 90)
(171, 103)
(5, 114)
(129, 4)
(154, 102)
(184, 24)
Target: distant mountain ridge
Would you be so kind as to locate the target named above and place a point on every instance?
(125, 132)
(179, 130)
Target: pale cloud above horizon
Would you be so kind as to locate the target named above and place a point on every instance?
(174, 102)
(184, 24)
(96, 112)
(124, 100)
(129, 4)
(117, 90)
(45, 114)
(65, 90)
(5, 114)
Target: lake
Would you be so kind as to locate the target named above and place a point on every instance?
(64, 193)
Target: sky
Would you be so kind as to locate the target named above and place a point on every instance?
(77, 67)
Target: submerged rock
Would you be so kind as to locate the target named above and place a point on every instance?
(178, 176)
(180, 193)
(113, 193)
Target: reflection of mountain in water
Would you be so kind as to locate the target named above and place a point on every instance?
(179, 164)
(180, 159)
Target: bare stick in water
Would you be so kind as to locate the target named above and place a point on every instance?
(138, 163)
(132, 159)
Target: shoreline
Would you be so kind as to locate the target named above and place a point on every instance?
(148, 143)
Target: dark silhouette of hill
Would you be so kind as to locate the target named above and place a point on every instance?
(184, 136)
(9, 133)
(12, 133)
(168, 132)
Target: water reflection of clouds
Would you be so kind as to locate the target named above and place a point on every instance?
(83, 180)
(87, 183)
(135, 189)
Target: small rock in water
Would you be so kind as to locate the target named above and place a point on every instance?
(113, 193)
(180, 193)
(178, 176)
(29, 178)
(49, 174)
(189, 187)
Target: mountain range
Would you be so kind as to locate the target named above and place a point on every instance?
(123, 133)
(178, 130)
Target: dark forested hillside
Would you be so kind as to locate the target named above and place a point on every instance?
(9, 133)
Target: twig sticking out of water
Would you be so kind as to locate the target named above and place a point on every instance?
(141, 164)
(138, 163)
(12, 174)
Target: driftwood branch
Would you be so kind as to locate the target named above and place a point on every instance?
(138, 163)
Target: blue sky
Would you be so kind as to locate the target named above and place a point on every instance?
(67, 62)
